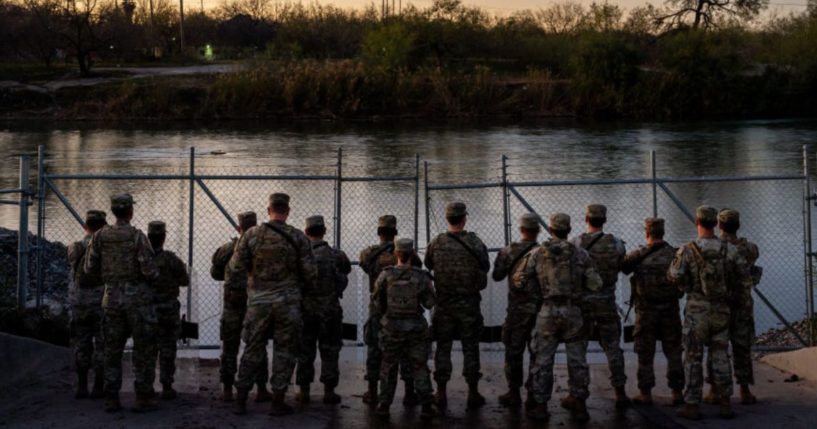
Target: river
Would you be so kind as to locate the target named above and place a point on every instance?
(557, 150)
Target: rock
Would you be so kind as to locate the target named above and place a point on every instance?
(782, 337)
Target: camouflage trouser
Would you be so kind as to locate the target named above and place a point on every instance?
(138, 322)
(653, 324)
(374, 355)
(603, 316)
(232, 320)
(516, 334)
(410, 350)
(284, 320)
(447, 324)
(323, 331)
(706, 325)
(167, 335)
(558, 324)
(86, 337)
(741, 335)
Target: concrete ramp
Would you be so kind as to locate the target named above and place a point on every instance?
(802, 362)
(24, 361)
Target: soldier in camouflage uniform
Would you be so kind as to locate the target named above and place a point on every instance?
(232, 315)
(373, 260)
(563, 272)
(657, 315)
(523, 305)
(401, 294)
(742, 323)
(459, 260)
(278, 259)
(323, 315)
(86, 293)
(708, 270)
(172, 275)
(599, 309)
(121, 255)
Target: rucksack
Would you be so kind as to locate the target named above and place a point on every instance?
(559, 273)
(711, 270)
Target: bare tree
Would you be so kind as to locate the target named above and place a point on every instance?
(709, 13)
(562, 18)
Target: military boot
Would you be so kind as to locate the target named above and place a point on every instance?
(82, 384)
(382, 410)
(240, 402)
(530, 402)
(538, 412)
(227, 392)
(370, 397)
(168, 392)
(428, 412)
(262, 394)
(410, 398)
(279, 406)
(677, 397)
(746, 397)
(144, 402)
(712, 397)
(441, 396)
(98, 390)
(690, 412)
(644, 397)
(568, 402)
(329, 395)
(726, 408)
(112, 403)
(303, 394)
(475, 399)
(622, 401)
(579, 412)
(511, 398)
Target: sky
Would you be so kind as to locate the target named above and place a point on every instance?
(507, 7)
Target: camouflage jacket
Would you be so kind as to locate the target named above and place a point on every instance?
(522, 296)
(649, 265)
(220, 267)
(460, 277)
(561, 271)
(716, 281)
(333, 270)
(400, 296)
(608, 253)
(275, 267)
(172, 275)
(85, 289)
(121, 255)
(374, 259)
(750, 253)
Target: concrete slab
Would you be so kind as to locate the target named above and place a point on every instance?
(800, 362)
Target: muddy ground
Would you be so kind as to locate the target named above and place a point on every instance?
(36, 392)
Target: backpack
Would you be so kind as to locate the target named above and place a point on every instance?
(605, 254)
(651, 276)
(711, 264)
(558, 279)
(402, 294)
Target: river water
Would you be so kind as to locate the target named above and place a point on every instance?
(468, 153)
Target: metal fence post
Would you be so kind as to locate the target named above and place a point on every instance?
(416, 199)
(190, 221)
(654, 185)
(428, 203)
(22, 236)
(40, 220)
(807, 238)
(506, 201)
(338, 196)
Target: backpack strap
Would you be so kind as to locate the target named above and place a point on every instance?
(368, 264)
(522, 255)
(593, 242)
(469, 249)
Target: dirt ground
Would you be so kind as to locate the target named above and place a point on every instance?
(36, 392)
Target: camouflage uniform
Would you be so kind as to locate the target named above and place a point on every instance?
(86, 293)
(657, 314)
(564, 273)
(460, 278)
(524, 302)
(708, 280)
(323, 315)
(373, 260)
(278, 270)
(233, 312)
(172, 275)
(122, 256)
(400, 295)
(599, 308)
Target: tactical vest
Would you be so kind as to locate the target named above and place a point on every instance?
(456, 270)
(403, 288)
(650, 277)
(606, 257)
(83, 280)
(274, 259)
(384, 260)
(166, 286)
(118, 258)
(559, 277)
(331, 282)
(711, 280)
